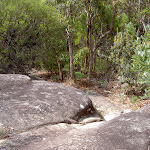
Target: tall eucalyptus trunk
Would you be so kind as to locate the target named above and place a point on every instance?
(101, 37)
(89, 30)
(70, 44)
(72, 74)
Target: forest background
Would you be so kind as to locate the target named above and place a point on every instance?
(88, 39)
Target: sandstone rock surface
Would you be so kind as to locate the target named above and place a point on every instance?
(25, 104)
(130, 131)
(145, 109)
(105, 107)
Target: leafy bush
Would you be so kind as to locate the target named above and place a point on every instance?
(29, 30)
(141, 59)
(132, 56)
(123, 50)
(79, 57)
(80, 75)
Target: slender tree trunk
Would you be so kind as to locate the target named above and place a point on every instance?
(89, 30)
(148, 15)
(86, 62)
(139, 8)
(59, 66)
(91, 65)
(148, 19)
(144, 24)
(72, 75)
(93, 51)
(94, 61)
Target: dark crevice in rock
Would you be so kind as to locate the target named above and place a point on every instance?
(88, 111)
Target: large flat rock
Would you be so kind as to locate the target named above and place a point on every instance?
(25, 104)
(106, 108)
(103, 105)
(145, 109)
(130, 131)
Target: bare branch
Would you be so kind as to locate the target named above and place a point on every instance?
(108, 32)
(144, 25)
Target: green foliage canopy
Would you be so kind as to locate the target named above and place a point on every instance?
(29, 30)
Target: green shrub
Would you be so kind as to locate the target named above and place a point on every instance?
(132, 56)
(122, 52)
(141, 60)
(80, 75)
(79, 57)
(29, 30)
(134, 99)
